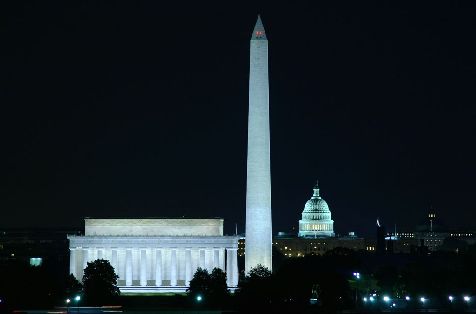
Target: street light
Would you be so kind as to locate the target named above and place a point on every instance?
(371, 299)
(407, 298)
(386, 298)
(77, 299)
(422, 299)
(199, 298)
(451, 298)
(466, 298)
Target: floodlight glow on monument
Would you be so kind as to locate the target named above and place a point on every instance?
(258, 179)
(316, 219)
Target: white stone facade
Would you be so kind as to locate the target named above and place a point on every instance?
(258, 248)
(155, 263)
(153, 227)
(316, 219)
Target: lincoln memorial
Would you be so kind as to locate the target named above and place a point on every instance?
(155, 255)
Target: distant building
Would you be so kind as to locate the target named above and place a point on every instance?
(467, 236)
(293, 246)
(35, 246)
(431, 234)
(316, 219)
(381, 246)
(316, 232)
(241, 246)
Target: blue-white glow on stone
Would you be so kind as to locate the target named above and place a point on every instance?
(316, 219)
(36, 261)
(258, 183)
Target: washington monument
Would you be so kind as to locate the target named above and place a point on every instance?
(258, 182)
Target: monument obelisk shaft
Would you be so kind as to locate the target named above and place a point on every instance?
(258, 185)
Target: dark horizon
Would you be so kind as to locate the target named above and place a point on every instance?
(140, 110)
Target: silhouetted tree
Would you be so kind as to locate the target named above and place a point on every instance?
(72, 286)
(200, 283)
(218, 289)
(255, 289)
(18, 278)
(100, 282)
(211, 287)
(387, 279)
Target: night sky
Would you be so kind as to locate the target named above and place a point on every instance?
(139, 109)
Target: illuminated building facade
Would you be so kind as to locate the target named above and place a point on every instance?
(292, 246)
(155, 255)
(316, 219)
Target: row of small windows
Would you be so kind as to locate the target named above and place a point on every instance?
(403, 234)
(317, 217)
(317, 227)
(431, 234)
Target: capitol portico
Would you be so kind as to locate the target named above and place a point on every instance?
(155, 254)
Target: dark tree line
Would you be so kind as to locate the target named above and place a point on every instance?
(24, 286)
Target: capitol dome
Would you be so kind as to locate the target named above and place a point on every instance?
(316, 218)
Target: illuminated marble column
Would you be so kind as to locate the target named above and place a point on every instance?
(173, 268)
(209, 259)
(114, 261)
(128, 267)
(188, 266)
(100, 254)
(231, 267)
(235, 267)
(92, 255)
(222, 259)
(72, 262)
(158, 267)
(216, 258)
(143, 268)
(201, 259)
(85, 259)
(258, 176)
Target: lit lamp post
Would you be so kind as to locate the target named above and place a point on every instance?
(357, 277)
(77, 299)
(68, 301)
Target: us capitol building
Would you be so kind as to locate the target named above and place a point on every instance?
(316, 232)
(316, 218)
